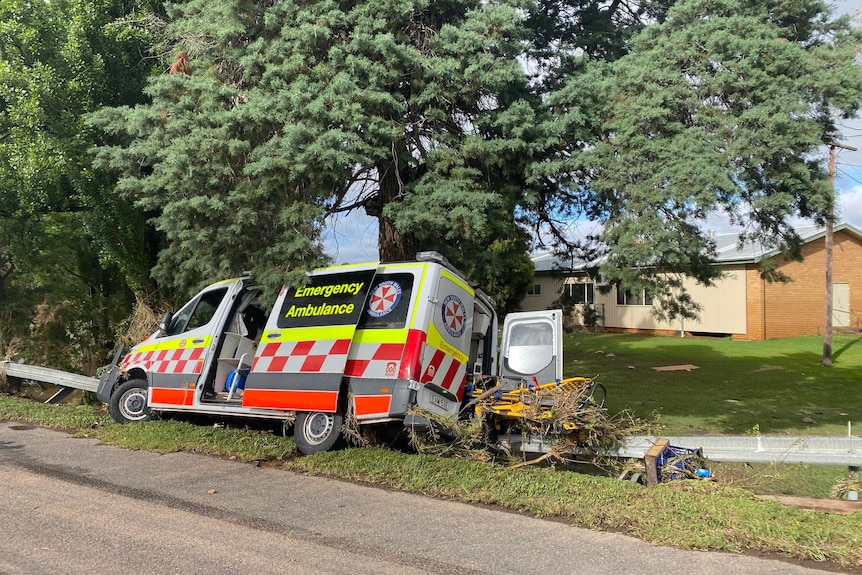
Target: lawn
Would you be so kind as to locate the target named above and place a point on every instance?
(775, 387)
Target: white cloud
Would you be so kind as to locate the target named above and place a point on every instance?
(850, 206)
(351, 238)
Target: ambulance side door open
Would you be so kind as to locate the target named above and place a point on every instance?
(183, 350)
(532, 346)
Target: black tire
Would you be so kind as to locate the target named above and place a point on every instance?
(129, 402)
(316, 431)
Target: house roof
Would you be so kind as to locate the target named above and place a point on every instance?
(727, 246)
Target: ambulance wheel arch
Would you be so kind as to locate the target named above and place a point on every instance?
(129, 402)
(316, 431)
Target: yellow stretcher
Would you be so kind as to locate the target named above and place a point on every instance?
(519, 401)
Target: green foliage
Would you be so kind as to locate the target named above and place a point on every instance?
(459, 125)
(62, 232)
(720, 108)
(419, 113)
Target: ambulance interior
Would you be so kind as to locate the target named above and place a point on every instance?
(237, 349)
(482, 341)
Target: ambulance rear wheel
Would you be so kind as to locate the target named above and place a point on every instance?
(129, 402)
(316, 431)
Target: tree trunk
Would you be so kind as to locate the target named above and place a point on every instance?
(827, 250)
(393, 244)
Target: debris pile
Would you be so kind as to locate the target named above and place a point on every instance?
(566, 416)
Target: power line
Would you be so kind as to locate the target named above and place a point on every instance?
(849, 176)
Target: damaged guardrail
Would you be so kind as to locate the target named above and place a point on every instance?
(67, 382)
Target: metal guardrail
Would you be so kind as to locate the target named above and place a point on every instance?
(812, 450)
(67, 382)
(846, 451)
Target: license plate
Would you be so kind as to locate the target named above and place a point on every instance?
(439, 401)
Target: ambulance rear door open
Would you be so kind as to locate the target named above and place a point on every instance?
(301, 358)
(532, 346)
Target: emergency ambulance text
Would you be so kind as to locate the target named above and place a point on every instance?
(329, 290)
(322, 309)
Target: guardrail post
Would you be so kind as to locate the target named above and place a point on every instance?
(852, 494)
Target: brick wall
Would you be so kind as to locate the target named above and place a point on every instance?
(754, 302)
(778, 310)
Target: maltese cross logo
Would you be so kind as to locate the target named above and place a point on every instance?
(454, 315)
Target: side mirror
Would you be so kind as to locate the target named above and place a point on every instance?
(166, 322)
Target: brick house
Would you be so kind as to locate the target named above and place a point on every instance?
(741, 304)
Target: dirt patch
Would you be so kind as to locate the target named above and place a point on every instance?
(686, 367)
(768, 368)
(833, 506)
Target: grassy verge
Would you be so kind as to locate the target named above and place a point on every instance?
(688, 515)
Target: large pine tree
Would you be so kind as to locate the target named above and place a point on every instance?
(418, 113)
(722, 108)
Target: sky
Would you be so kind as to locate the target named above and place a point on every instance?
(848, 177)
(353, 237)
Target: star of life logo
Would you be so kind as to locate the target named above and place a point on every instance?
(454, 316)
(384, 298)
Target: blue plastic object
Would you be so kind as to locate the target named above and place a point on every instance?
(236, 380)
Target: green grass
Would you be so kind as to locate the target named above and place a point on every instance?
(683, 514)
(773, 386)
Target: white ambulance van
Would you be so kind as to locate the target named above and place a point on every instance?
(370, 340)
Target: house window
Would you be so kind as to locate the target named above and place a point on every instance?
(628, 297)
(537, 290)
(582, 293)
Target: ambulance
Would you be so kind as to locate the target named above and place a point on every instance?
(366, 341)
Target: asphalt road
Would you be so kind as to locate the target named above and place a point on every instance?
(71, 506)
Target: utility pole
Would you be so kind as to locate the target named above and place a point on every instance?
(828, 244)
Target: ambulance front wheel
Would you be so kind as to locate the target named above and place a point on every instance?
(316, 431)
(129, 402)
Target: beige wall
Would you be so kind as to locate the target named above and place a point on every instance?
(723, 308)
(723, 305)
(551, 289)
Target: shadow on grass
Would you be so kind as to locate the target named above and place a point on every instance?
(846, 347)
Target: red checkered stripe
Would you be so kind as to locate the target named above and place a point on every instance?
(374, 360)
(321, 356)
(443, 370)
(178, 360)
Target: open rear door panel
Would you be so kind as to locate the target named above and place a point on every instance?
(301, 358)
(532, 346)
